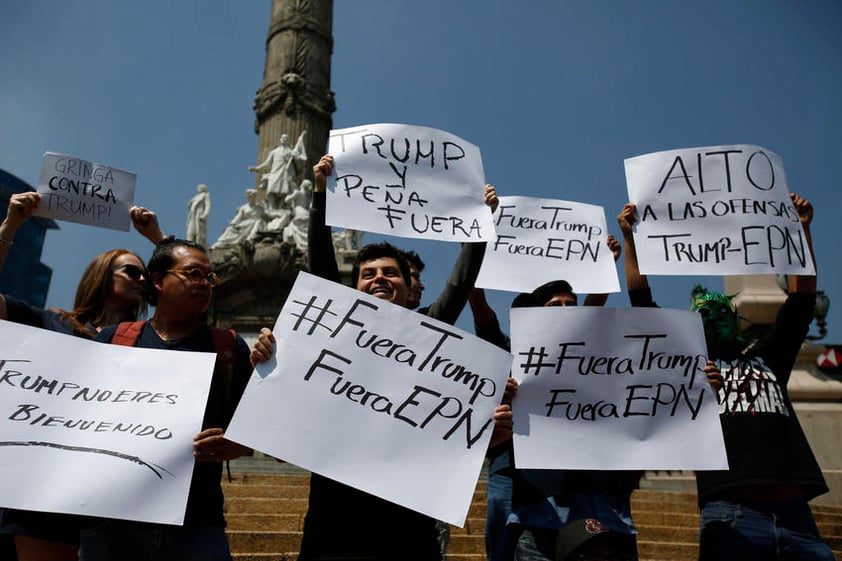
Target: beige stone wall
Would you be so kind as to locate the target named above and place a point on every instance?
(818, 403)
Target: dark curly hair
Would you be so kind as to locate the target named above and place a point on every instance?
(376, 251)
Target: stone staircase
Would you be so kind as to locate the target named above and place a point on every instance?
(265, 505)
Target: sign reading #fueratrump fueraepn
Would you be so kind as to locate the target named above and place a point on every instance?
(613, 388)
(375, 396)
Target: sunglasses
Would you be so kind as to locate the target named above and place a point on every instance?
(197, 275)
(132, 271)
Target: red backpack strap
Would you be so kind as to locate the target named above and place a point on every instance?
(225, 345)
(127, 333)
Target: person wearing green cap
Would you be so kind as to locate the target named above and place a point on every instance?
(757, 509)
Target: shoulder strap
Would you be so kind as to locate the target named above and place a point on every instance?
(128, 332)
(225, 345)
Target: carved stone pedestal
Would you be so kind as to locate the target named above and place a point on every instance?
(256, 279)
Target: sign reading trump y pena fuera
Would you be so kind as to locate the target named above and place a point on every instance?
(720, 210)
(76, 190)
(375, 396)
(540, 240)
(613, 388)
(95, 429)
(407, 181)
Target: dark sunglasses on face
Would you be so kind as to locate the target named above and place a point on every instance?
(132, 271)
(197, 275)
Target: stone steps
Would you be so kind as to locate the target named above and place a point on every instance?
(265, 513)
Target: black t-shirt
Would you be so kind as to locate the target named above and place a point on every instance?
(763, 438)
(343, 522)
(205, 499)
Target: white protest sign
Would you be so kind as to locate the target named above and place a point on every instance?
(375, 396)
(80, 191)
(95, 429)
(719, 210)
(613, 388)
(408, 181)
(540, 240)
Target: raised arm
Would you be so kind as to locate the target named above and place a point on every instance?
(486, 325)
(320, 251)
(146, 223)
(805, 284)
(601, 298)
(265, 165)
(454, 296)
(626, 219)
(21, 207)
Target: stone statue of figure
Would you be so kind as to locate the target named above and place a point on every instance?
(198, 210)
(347, 240)
(299, 201)
(280, 170)
(250, 220)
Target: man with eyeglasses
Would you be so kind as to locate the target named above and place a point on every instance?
(178, 281)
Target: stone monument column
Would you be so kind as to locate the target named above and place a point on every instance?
(295, 95)
(256, 261)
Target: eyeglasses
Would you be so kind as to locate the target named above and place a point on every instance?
(132, 271)
(197, 275)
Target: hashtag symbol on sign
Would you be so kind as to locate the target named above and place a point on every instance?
(535, 360)
(313, 314)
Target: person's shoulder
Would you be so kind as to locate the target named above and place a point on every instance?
(106, 334)
(801, 299)
(22, 312)
(18, 310)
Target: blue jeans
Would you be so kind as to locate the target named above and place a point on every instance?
(781, 530)
(139, 541)
(499, 495)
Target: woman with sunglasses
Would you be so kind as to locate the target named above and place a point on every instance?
(108, 293)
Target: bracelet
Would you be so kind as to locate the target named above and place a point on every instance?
(4, 241)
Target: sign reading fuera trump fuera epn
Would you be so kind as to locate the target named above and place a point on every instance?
(95, 429)
(76, 190)
(613, 388)
(408, 181)
(719, 210)
(375, 396)
(541, 240)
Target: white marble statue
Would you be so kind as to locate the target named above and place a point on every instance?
(198, 210)
(347, 240)
(250, 220)
(280, 170)
(299, 201)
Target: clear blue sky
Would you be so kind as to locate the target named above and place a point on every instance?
(555, 93)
